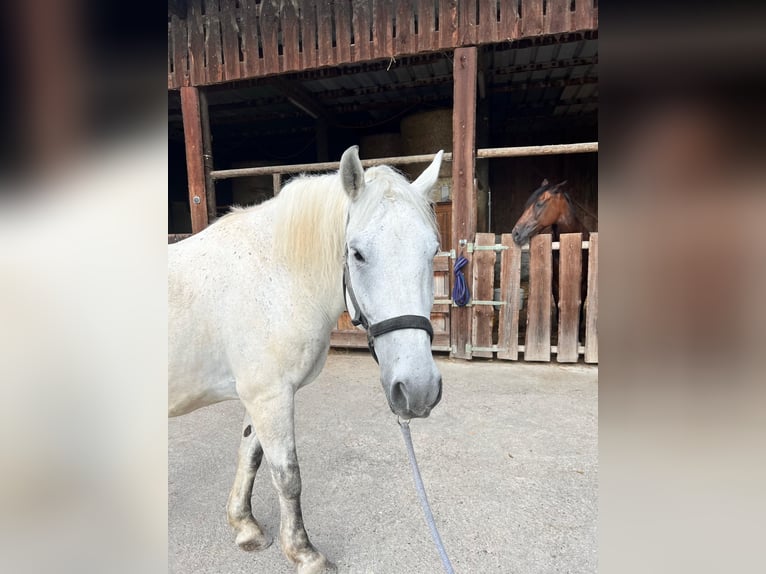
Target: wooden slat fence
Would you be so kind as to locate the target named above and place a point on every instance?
(224, 40)
(506, 327)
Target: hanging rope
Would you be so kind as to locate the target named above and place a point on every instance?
(405, 426)
(460, 294)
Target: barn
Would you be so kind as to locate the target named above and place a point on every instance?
(262, 90)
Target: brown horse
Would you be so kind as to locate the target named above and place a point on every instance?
(548, 207)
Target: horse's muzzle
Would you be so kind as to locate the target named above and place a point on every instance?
(409, 402)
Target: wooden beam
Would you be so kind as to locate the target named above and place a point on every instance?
(207, 157)
(195, 166)
(463, 175)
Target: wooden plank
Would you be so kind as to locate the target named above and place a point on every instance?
(405, 27)
(538, 341)
(463, 173)
(250, 37)
(343, 30)
(326, 55)
(196, 43)
(361, 22)
(190, 110)
(214, 65)
(382, 45)
(487, 30)
(557, 17)
(584, 17)
(448, 23)
(269, 24)
(570, 297)
(180, 41)
(308, 18)
(531, 17)
(291, 55)
(510, 282)
(277, 183)
(591, 303)
(482, 316)
(230, 37)
(467, 24)
(509, 26)
(428, 37)
(442, 264)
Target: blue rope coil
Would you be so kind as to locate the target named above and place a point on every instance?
(460, 294)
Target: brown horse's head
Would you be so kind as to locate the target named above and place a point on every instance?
(548, 205)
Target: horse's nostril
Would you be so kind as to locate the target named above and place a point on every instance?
(399, 395)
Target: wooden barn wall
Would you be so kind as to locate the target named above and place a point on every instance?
(224, 40)
(512, 181)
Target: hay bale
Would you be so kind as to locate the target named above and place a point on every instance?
(427, 132)
(380, 145)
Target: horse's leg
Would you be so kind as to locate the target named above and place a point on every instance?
(273, 422)
(250, 536)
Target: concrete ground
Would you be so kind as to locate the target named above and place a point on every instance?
(509, 460)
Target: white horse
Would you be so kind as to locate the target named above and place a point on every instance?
(253, 299)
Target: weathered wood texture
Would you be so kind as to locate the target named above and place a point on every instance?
(591, 303)
(538, 341)
(482, 316)
(463, 189)
(193, 137)
(570, 287)
(510, 295)
(225, 40)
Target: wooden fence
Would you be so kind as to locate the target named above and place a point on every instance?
(560, 293)
(514, 317)
(224, 40)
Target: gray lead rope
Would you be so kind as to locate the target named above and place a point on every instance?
(405, 426)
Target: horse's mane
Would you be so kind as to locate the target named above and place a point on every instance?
(545, 187)
(310, 219)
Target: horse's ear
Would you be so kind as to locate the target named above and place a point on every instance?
(560, 186)
(426, 180)
(352, 172)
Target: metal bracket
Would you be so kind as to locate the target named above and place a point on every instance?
(471, 247)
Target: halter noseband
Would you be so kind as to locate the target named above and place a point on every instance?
(385, 326)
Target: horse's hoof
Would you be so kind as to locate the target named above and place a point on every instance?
(252, 539)
(321, 565)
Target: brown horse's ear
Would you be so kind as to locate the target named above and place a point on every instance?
(558, 187)
(544, 183)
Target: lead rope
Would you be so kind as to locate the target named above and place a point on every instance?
(405, 426)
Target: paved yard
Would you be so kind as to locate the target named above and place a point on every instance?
(509, 459)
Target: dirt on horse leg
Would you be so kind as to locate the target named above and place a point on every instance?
(273, 423)
(250, 535)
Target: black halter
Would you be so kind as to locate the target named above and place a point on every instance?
(386, 326)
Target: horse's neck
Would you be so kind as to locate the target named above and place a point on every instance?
(569, 223)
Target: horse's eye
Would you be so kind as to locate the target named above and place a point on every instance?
(359, 257)
(541, 203)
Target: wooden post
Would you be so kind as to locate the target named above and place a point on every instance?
(463, 175)
(195, 165)
(207, 157)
